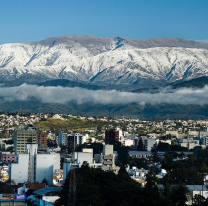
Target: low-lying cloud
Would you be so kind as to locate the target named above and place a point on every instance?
(62, 95)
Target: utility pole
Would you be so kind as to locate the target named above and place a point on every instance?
(202, 186)
(72, 183)
(72, 186)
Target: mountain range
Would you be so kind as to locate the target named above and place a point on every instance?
(98, 63)
(119, 63)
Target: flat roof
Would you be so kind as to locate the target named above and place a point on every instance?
(197, 187)
(140, 152)
(190, 187)
(46, 190)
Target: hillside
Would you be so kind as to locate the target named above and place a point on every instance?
(68, 83)
(197, 83)
(162, 111)
(73, 124)
(120, 63)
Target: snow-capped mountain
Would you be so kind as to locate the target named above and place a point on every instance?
(104, 61)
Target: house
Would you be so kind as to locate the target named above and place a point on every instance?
(46, 196)
(140, 154)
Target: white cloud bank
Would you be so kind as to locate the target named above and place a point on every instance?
(62, 95)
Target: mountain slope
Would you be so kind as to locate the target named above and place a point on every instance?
(68, 83)
(116, 62)
(197, 83)
(133, 110)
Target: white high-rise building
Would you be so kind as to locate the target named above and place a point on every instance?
(120, 135)
(33, 167)
(78, 159)
(18, 172)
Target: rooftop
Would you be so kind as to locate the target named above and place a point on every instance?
(140, 152)
(46, 190)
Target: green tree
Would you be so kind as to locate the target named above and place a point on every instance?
(151, 192)
(178, 195)
(45, 181)
(96, 187)
(163, 147)
(140, 146)
(30, 202)
(123, 153)
(99, 129)
(139, 163)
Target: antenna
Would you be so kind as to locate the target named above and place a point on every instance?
(30, 165)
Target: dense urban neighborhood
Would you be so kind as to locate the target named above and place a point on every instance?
(49, 159)
(104, 103)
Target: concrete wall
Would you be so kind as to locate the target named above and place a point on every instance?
(83, 156)
(98, 158)
(128, 142)
(56, 161)
(19, 171)
(203, 133)
(44, 168)
(66, 168)
(87, 150)
(150, 144)
(107, 149)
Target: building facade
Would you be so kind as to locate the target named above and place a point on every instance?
(22, 136)
(148, 142)
(42, 141)
(75, 140)
(111, 136)
(62, 138)
(33, 167)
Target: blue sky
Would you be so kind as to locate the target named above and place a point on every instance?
(25, 21)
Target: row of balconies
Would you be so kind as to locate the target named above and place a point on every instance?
(107, 162)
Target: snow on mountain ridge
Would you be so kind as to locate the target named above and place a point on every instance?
(104, 61)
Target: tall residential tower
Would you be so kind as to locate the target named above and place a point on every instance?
(22, 136)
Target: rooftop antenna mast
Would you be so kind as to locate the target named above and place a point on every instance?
(30, 165)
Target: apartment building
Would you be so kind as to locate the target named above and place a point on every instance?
(111, 136)
(33, 167)
(62, 138)
(22, 136)
(42, 141)
(147, 142)
(75, 140)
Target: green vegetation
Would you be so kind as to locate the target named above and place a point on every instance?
(68, 83)
(139, 163)
(140, 146)
(74, 124)
(45, 181)
(197, 83)
(98, 188)
(165, 147)
(162, 111)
